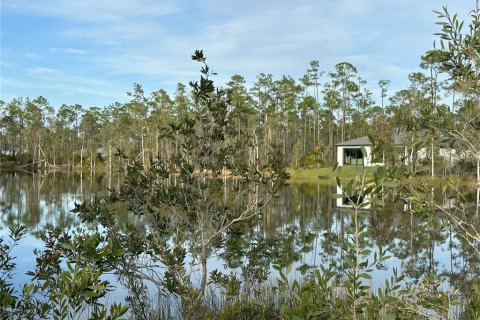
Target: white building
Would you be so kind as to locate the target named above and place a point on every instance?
(349, 153)
(346, 202)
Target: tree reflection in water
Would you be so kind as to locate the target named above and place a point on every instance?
(303, 227)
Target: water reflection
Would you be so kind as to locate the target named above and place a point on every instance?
(419, 243)
(346, 202)
(36, 200)
(303, 226)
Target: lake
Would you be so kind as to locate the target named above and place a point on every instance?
(303, 227)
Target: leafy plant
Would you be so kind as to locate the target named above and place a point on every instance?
(186, 201)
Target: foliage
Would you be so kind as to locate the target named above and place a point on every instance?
(308, 161)
(343, 290)
(13, 304)
(54, 292)
(473, 305)
(185, 197)
(465, 165)
(202, 166)
(245, 310)
(459, 52)
(459, 57)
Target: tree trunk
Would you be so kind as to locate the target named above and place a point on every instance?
(143, 151)
(478, 197)
(39, 154)
(304, 133)
(478, 168)
(81, 157)
(203, 281)
(109, 159)
(314, 130)
(330, 135)
(156, 144)
(433, 160)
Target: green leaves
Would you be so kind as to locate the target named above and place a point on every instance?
(198, 56)
(459, 55)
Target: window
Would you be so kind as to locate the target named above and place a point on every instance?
(353, 157)
(355, 199)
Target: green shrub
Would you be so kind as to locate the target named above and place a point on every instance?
(246, 310)
(465, 166)
(24, 158)
(473, 306)
(307, 161)
(197, 311)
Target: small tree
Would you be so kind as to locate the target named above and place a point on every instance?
(459, 56)
(187, 200)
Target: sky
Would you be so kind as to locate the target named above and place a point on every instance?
(91, 52)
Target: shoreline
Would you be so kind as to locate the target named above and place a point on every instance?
(327, 176)
(316, 175)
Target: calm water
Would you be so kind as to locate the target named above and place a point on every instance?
(302, 227)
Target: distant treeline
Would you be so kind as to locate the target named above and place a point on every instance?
(306, 117)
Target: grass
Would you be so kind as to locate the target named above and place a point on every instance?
(327, 175)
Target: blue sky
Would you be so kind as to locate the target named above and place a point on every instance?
(91, 51)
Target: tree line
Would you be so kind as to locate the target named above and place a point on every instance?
(306, 117)
(181, 206)
(439, 109)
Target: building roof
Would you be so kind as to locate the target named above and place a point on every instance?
(362, 141)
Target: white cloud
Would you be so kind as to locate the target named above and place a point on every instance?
(64, 83)
(13, 82)
(42, 72)
(152, 40)
(62, 76)
(61, 91)
(69, 51)
(93, 10)
(32, 55)
(75, 89)
(144, 64)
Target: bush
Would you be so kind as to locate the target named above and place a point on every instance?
(307, 161)
(473, 306)
(5, 158)
(465, 166)
(24, 158)
(246, 310)
(198, 312)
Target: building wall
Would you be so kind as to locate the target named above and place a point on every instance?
(425, 153)
(366, 161)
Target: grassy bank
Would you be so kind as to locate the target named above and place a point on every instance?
(326, 175)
